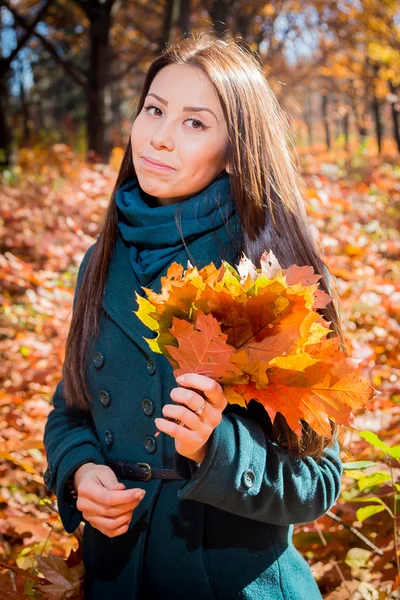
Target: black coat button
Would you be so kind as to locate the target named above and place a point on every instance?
(148, 407)
(98, 360)
(104, 398)
(249, 478)
(150, 444)
(108, 438)
(151, 367)
(46, 476)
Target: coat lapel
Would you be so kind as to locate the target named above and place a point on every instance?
(119, 299)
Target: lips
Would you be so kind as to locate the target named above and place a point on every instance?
(156, 163)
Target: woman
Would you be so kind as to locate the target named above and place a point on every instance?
(206, 509)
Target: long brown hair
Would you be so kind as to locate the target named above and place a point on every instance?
(267, 191)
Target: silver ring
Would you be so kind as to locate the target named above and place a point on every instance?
(200, 410)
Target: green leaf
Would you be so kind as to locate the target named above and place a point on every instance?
(375, 441)
(373, 479)
(367, 511)
(372, 499)
(360, 464)
(369, 499)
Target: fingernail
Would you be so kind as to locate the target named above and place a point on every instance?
(180, 379)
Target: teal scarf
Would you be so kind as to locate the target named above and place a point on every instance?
(151, 232)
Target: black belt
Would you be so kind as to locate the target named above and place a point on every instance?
(141, 471)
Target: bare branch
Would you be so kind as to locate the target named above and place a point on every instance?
(75, 72)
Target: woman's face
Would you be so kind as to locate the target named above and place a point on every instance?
(182, 125)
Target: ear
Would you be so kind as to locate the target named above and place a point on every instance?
(227, 168)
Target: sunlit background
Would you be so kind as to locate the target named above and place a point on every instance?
(70, 73)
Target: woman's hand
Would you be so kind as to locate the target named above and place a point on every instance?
(192, 434)
(103, 500)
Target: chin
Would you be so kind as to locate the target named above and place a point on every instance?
(150, 185)
(154, 187)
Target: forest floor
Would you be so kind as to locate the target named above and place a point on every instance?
(49, 216)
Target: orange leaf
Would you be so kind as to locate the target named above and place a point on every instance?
(202, 348)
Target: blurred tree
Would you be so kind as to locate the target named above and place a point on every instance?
(5, 71)
(98, 76)
(335, 64)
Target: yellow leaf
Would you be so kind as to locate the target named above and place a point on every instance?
(296, 362)
(145, 309)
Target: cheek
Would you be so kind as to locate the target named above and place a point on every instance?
(138, 134)
(202, 152)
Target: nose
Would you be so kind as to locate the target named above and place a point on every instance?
(162, 137)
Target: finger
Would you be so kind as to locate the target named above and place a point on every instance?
(183, 414)
(191, 398)
(108, 524)
(210, 387)
(180, 433)
(127, 515)
(89, 506)
(102, 495)
(106, 476)
(209, 414)
(121, 530)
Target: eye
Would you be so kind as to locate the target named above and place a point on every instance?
(149, 106)
(200, 124)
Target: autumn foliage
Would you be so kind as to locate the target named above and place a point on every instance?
(48, 219)
(258, 333)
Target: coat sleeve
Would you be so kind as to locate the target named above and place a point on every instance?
(247, 474)
(70, 441)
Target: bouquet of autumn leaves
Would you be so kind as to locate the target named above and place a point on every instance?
(257, 332)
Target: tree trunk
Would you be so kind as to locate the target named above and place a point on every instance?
(167, 25)
(243, 24)
(26, 131)
(176, 22)
(184, 17)
(308, 119)
(5, 69)
(5, 131)
(99, 68)
(395, 114)
(324, 110)
(375, 104)
(361, 129)
(346, 130)
(219, 12)
(377, 118)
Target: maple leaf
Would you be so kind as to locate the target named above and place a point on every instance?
(258, 333)
(65, 580)
(202, 348)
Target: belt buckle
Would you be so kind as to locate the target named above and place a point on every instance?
(148, 469)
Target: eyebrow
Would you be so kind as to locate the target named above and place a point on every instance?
(185, 108)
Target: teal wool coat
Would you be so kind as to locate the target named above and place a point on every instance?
(225, 531)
